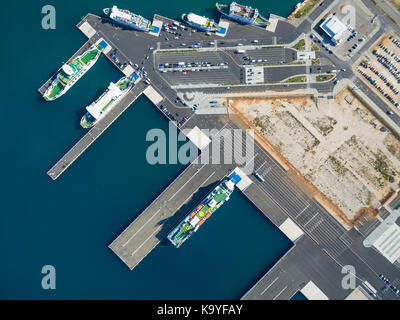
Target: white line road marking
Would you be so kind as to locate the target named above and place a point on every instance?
(269, 286)
(141, 228)
(309, 220)
(147, 239)
(198, 188)
(261, 166)
(186, 182)
(280, 293)
(303, 210)
(267, 171)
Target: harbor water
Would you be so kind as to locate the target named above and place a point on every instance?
(68, 223)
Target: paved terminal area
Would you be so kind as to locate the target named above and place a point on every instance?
(303, 262)
(95, 132)
(319, 254)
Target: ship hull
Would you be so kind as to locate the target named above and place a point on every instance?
(85, 123)
(125, 24)
(192, 222)
(128, 25)
(69, 85)
(199, 27)
(222, 9)
(88, 121)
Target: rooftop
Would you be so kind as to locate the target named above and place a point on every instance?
(333, 27)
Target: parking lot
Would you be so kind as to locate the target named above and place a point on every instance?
(193, 67)
(267, 56)
(382, 69)
(254, 75)
(359, 28)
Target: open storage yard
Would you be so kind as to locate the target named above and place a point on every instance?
(382, 69)
(335, 144)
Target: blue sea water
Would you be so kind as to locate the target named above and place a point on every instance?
(68, 223)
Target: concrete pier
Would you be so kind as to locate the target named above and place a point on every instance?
(164, 213)
(95, 132)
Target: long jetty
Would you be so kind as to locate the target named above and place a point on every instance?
(157, 220)
(103, 124)
(95, 132)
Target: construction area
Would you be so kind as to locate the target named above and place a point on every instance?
(336, 149)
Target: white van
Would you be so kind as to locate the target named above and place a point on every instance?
(259, 177)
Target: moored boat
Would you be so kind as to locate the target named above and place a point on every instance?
(200, 22)
(197, 217)
(71, 72)
(108, 99)
(242, 14)
(128, 19)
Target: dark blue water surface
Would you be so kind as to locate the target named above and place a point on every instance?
(68, 223)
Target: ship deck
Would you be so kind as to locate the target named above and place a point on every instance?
(80, 51)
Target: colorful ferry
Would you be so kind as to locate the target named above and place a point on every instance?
(202, 212)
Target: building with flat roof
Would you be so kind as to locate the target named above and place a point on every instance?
(388, 244)
(334, 28)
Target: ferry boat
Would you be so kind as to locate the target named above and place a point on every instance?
(109, 98)
(200, 22)
(128, 19)
(71, 72)
(242, 14)
(202, 212)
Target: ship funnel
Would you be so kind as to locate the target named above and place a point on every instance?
(67, 70)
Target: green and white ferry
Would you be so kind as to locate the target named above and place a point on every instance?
(71, 72)
(109, 98)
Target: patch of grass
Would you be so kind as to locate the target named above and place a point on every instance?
(392, 149)
(314, 47)
(300, 45)
(306, 9)
(324, 77)
(382, 167)
(338, 166)
(296, 79)
(261, 123)
(316, 61)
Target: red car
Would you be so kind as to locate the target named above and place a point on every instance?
(144, 61)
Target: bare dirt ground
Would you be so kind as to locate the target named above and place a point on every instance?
(329, 147)
(396, 3)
